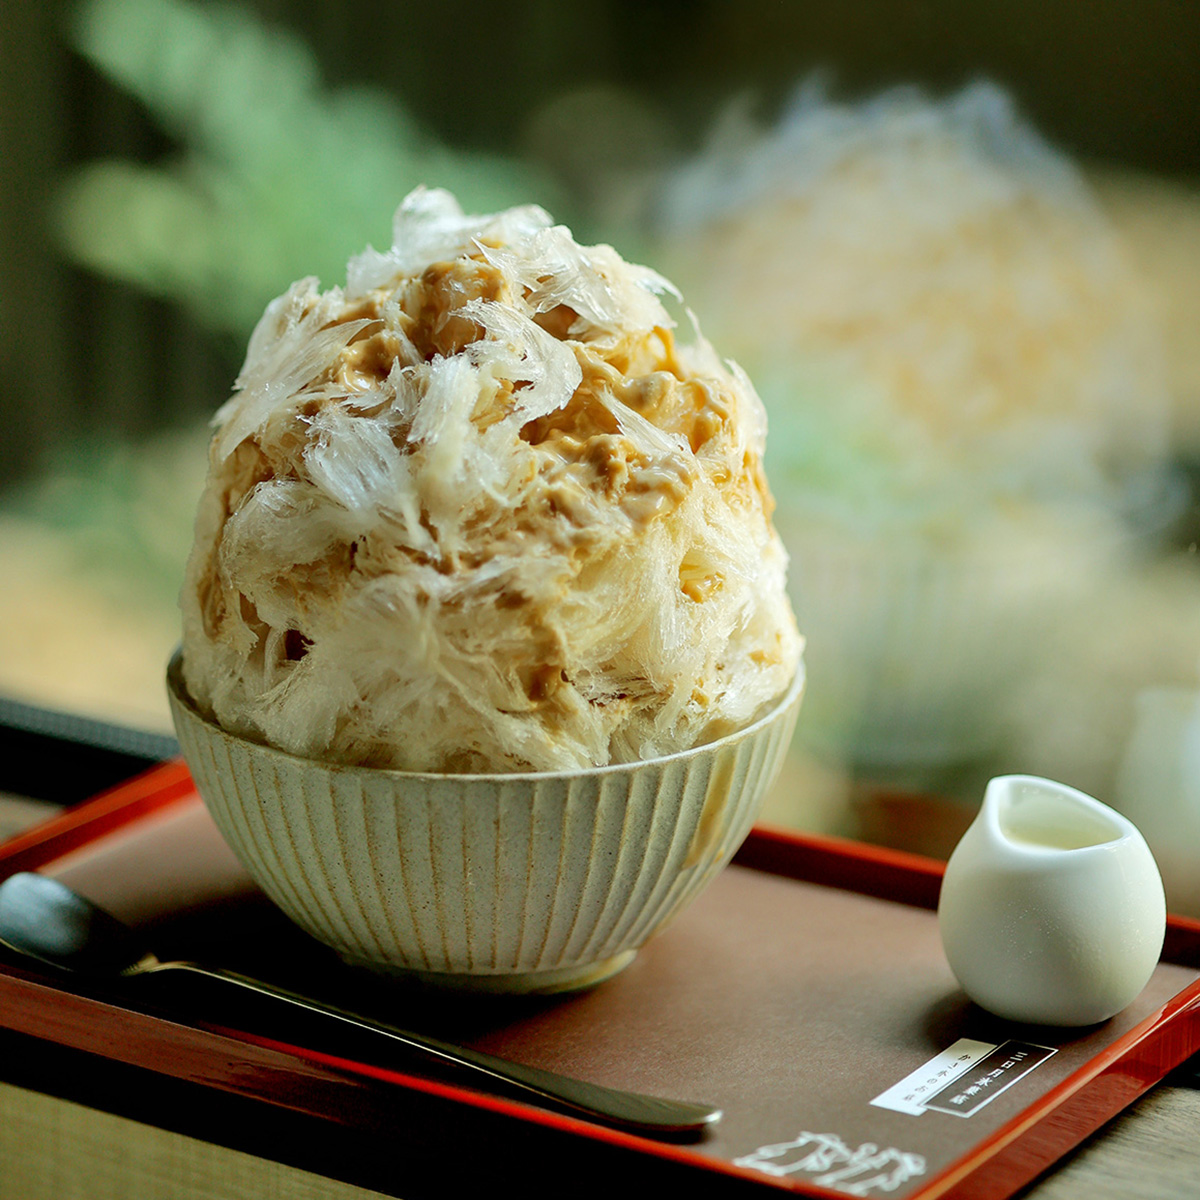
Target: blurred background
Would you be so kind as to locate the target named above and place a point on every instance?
(956, 246)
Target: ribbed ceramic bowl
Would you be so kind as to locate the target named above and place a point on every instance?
(518, 883)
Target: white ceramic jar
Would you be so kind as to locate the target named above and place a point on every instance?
(1052, 909)
(1158, 787)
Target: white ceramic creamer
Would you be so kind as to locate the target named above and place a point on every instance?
(1052, 908)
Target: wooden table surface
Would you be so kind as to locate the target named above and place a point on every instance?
(1151, 1152)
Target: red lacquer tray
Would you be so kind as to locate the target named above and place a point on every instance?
(805, 993)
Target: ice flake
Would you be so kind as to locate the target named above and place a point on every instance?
(353, 460)
(292, 345)
(430, 226)
(520, 351)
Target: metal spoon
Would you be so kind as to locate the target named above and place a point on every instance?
(46, 920)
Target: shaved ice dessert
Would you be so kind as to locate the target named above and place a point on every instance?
(966, 386)
(934, 295)
(478, 511)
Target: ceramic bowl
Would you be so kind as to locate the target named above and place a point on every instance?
(519, 883)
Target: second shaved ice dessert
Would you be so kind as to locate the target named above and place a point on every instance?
(967, 394)
(478, 511)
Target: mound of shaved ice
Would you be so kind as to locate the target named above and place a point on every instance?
(478, 511)
(931, 298)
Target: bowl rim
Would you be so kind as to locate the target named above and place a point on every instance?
(179, 694)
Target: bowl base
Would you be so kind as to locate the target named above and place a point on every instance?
(513, 983)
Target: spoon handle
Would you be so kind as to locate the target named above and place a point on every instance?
(628, 1110)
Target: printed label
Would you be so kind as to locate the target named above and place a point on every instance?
(830, 1162)
(1002, 1068)
(963, 1078)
